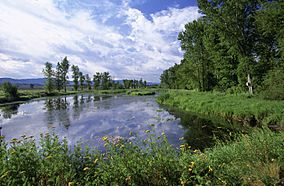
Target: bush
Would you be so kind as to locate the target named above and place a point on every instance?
(273, 85)
(10, 91)
(253, 158)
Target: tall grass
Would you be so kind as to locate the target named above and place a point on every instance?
(241, 107)
(253, 158)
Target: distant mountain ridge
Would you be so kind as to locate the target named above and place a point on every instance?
(40, 81)
(37, 81)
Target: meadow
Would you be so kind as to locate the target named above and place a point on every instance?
(244, 108)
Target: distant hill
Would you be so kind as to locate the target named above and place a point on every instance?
(40, 82)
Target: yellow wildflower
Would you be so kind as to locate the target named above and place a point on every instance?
(128, 178)
(86, 169)
(210, 169)
(70, 183)
(191, 164)
(105, 138)
(96, 160)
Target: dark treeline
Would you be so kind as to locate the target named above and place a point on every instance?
(57, 79)
(234, 45)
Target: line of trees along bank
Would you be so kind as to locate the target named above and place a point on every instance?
(232, 42)
(58, 80)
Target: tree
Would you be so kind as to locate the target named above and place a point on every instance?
(75, 76)
(88, 82)
(82, 80)
(97, 81)
(64, 68)
(10, 91)
(58, 77)
(106, 79)
(48, 73)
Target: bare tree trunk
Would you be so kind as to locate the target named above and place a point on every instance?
(249, 84)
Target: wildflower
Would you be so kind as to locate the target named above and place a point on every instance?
(191, 165)
(147, 131)
(184, 147)
(105, 138)
(128, 178)
(210, 169)
(70, 183)
(96, 160)
(182, 138)
(196, 151)
(86, 169)
(183, 182)
(48, 157)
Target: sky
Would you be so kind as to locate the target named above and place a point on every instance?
(131, 39)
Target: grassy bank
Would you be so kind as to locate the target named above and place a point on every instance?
(143, 92)
(243, 108)
(25, 95)
(253, 159)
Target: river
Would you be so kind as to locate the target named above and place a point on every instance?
(86, 118)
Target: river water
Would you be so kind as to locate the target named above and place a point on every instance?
(87, 118)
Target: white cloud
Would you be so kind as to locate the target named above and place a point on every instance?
(45, 30)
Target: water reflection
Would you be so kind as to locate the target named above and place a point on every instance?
(9, 110)
(88, 118)
(203, 131)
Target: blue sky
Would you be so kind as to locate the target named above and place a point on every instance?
(128, 38)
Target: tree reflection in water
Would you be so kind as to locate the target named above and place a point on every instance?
(203, 131)
(9, 110)
(57, 110)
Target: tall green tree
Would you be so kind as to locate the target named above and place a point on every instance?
(106, 80)
(97, 81)
(64, 68)
(58, 77)
(75, 76)
(48, 74)
(82, 80)
(88, 82)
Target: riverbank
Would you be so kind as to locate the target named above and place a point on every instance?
(254, 159)
(243, 108)
(26, 95)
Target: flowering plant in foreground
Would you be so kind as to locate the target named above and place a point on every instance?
(251, 159)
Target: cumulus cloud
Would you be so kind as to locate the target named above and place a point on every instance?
(112, 37)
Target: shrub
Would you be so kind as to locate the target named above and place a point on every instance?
(10, 91)
(273, 85)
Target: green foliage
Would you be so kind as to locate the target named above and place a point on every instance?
(82, 80)
(140, 93)
(75, 76)
(251, 159)
(64, 65)
(239, 107)
(10, 91)
(88, 82)
(273, 86)
(97, 81)
(231, 40)
(48, 74)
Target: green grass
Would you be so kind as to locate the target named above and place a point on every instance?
(242, 107)
(29, 94)
(141, 92)
(252, 159)
(24, 95)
